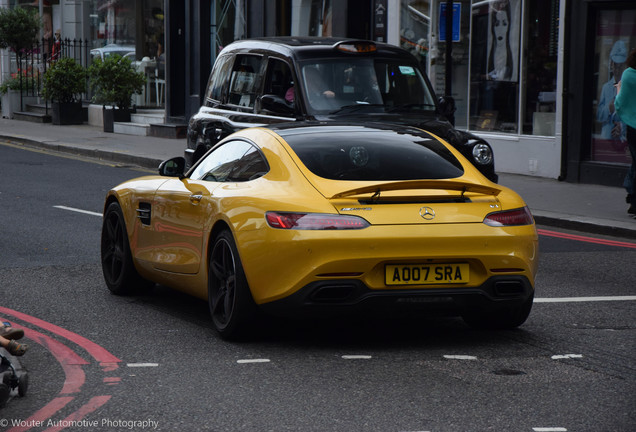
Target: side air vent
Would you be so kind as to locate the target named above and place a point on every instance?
(143, 213)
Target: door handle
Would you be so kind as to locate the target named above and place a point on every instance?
(196, 198)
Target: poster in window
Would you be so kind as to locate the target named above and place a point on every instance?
(503, 40)
(494, 65)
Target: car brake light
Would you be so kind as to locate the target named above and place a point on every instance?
(521, 216)
(314, 221)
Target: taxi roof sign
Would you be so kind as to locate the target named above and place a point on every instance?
(356, 46)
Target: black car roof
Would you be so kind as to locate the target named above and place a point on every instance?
(301, 47)
(314, 127)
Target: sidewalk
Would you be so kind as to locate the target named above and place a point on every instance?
(590, 208)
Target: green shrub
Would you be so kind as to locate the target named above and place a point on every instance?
(64, 81)
(114, 81)
(19, 28)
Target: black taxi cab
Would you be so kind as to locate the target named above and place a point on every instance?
(265, 81)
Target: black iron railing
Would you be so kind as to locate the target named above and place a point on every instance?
(32, 64)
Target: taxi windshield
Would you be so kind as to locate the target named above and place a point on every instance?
(344, 86)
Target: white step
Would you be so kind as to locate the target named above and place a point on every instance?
(146, 118)
(130, 128)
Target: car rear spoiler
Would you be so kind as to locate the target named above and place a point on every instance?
(421, 184)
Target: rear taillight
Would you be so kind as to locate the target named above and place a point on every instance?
(521, 216)
(314, 221)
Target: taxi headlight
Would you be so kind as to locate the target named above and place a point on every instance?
(482, 153)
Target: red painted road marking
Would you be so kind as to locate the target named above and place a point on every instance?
(78, 415)
(586, 239)
(69, 360)
(96, 351)
(44, 413)
(72, 365)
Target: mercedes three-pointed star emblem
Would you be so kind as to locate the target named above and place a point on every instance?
(427, 213)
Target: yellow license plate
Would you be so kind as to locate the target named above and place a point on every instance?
(426, 274)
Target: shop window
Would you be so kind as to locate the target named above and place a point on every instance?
(615, 38)
(415, 23)
(540, 71)
(494, 68)
(320, 18)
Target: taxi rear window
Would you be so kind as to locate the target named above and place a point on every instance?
(375, 155)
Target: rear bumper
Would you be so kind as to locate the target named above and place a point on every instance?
(347, 295)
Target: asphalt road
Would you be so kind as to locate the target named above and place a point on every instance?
(99, 362)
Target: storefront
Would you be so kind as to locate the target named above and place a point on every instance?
(597, 150)
(98, 28)
(506, 73)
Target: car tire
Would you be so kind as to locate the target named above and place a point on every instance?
(117, 265)
(231, 304)
(500, 319)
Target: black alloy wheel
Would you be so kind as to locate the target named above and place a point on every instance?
(119, 270)
(231, 304)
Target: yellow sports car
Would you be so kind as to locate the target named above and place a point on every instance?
(316, 217)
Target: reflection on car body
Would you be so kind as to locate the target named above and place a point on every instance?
(273, 80)
(305, 218)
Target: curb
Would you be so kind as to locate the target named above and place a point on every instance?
(585, 226)
(141, 161)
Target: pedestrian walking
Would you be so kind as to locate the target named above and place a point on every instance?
(625, 105)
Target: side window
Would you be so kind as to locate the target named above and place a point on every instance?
(218, 78)
(234, 161)
(245, 80)
(279, 80)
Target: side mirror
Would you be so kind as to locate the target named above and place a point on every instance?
(276, 104)
(447, 106)
(174, 167)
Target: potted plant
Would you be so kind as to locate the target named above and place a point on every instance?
(64, 83)
(113, 82)
(21, 86)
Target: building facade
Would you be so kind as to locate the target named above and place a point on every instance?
(600, 36)
(533, 77)
(97, 28)
(530, 76)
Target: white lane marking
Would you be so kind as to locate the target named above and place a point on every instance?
(583, 299)
(78, 210)
(356, 357)
(142, 364)
(253, 361)
(460, 357)
(549, 429)
(566, 356)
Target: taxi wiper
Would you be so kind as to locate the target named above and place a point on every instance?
(408, 107)
(356, 107)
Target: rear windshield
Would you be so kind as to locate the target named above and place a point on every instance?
(374, 155)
